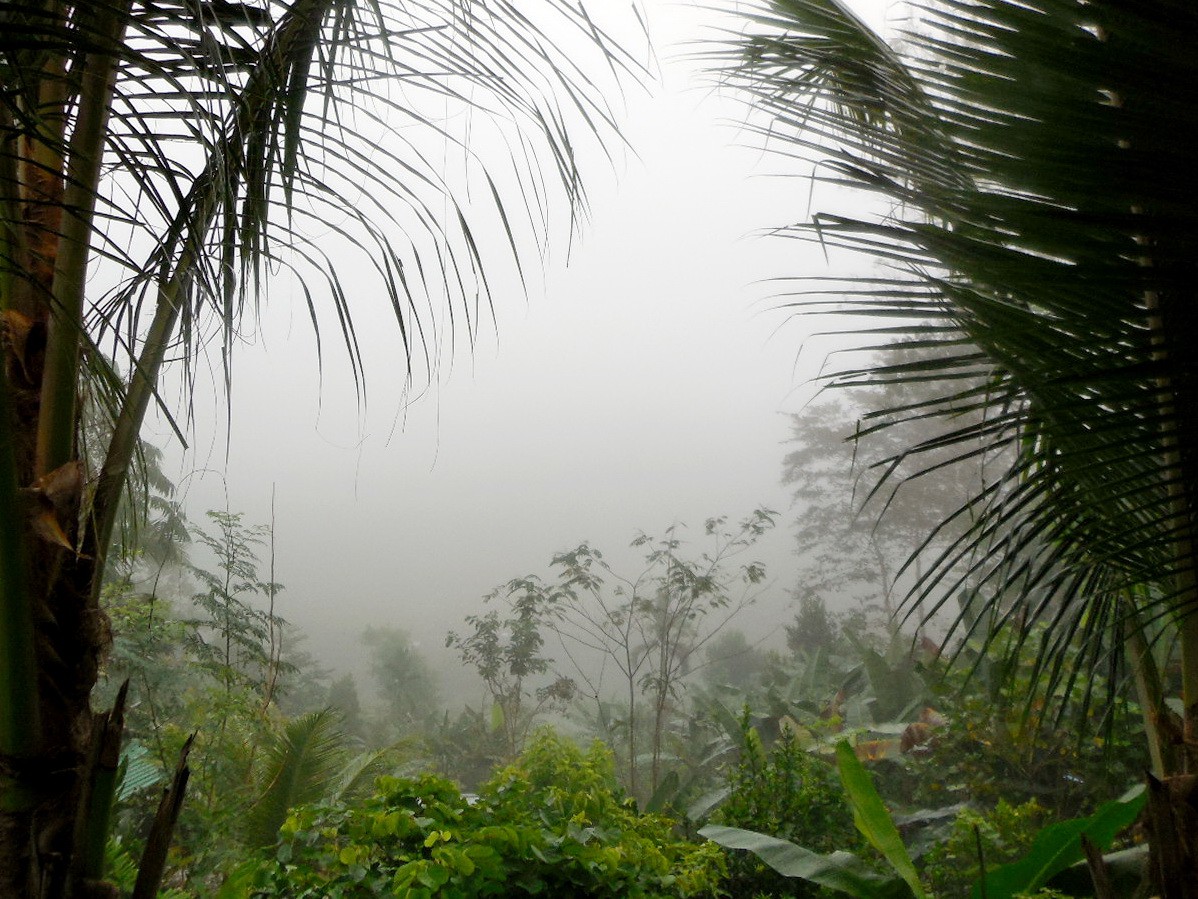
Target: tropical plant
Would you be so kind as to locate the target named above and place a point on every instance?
(789, 794)
(157, 161)
(987, 745)
(976, 841)
(650, 628)
(1035, 161)
(506, 651)
(236, 636)
(1052, 849)
(553, 823)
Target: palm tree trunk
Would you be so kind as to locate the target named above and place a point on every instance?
(50, 585)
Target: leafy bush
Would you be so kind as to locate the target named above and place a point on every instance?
(1006, 833)
(787, 793)
(996, 744)
(551, 824)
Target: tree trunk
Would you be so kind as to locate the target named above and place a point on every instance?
(1172, 821)
(71, 633)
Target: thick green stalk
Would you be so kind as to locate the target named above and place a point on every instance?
(19, 721)
(123, 444)
(60, 383)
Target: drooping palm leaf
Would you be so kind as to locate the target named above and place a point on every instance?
(299, 767)
(158, 160)
(240, 140)
(1035, 159)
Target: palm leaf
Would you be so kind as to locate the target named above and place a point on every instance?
(1035, 162)
(304, 760)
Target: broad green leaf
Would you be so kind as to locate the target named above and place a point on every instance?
(1058, 846)
(666, 790)
(839, 871)
(872, 818)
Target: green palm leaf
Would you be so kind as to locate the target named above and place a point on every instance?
(300, 766)
(1036, 161)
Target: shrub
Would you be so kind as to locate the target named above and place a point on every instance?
(550, 824)
(1006, 834)
(787, 793)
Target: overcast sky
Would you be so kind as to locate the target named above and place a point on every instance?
(648, 382)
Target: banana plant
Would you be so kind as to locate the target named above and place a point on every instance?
(1054, 850)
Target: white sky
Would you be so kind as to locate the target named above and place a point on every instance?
(646, 383)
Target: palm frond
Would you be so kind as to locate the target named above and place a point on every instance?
(1034, 159)
(304, 760)
(316, 137)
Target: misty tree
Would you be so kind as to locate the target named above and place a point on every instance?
(731, 660)
(866, 515)
(506, 651)
(636, 639)
(405, 680)
(236, 634)
(813, 628)
(343, 698)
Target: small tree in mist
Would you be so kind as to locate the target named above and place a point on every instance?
(406, 682)
(505, 650)
(650, 628)
(813, 628)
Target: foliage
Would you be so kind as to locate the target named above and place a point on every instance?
(298, 764)
(1040, 254)
(1058, 846)
(813, 628)
(729, 659)
(342, 696)
(839, 871)
(1005, 833)
(872, 818)
(789, 794)
(990, 744)
(506, 652)
(854, 543)
(468, 747)
(553, 823)
(648, 628)
(405, 681)
(236, 640)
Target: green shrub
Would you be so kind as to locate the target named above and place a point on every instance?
(551, 824)
(788, 793)
(1006, 833)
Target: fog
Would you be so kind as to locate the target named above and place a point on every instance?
(646, 379)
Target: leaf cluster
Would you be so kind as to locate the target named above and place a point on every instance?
(553, 823)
